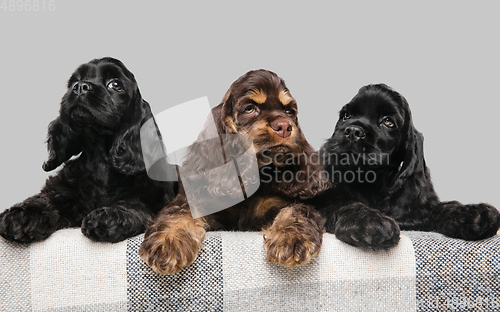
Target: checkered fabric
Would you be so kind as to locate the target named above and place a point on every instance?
(425, 272)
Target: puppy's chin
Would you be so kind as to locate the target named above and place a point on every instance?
(351, 160)
(84, 118)
(82, 121)
(279, 156)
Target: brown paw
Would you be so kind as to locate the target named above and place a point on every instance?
(172, 244)
(292, 240)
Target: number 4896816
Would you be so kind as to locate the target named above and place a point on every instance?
(28, 5)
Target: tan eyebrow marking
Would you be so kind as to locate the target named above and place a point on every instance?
(285, 97)
(258, 96)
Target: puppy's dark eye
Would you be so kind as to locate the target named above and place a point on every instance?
(346, 116)
(115, 85)
(290, 112)
(388, 122)
(250, 109)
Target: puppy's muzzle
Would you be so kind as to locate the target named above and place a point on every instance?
(282, 128)
(81, 88)
(354, 133)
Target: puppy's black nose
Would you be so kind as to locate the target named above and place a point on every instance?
(354, 133)
(80, 88)
(282, 128)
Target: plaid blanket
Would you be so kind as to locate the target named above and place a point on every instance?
(425, 272)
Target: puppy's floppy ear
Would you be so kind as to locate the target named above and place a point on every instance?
(213, 167)
(413, 166)
(217, 147)
(206, 151)
(62, 144)
(223, 116)
(126, 150)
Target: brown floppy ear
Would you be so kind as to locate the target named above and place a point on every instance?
(215, 146)
(224, 114)
(206, 151)
(213, 167)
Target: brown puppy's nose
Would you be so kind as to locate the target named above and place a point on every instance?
(282, 128)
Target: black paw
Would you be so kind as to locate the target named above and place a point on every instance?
(361, 226)
(29, 221)
(469, 222)
(114, 224)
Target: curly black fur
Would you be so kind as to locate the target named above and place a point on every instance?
(376, 162)
(105, 188)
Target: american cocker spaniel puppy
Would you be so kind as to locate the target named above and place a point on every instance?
(381, 184)
(104, 188)
(260, 106)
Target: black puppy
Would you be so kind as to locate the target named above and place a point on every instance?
(105, 189)
(381, 184)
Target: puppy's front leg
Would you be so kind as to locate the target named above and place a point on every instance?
(173, 239)
(469, 222)
(117, 222)
(295, 236)
(33, 220)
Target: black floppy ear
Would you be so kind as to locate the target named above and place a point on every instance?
(126, 151)
(413, 167)
(62, 144)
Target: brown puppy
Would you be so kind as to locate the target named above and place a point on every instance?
(260, 106)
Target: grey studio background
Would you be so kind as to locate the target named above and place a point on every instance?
(442, 56)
